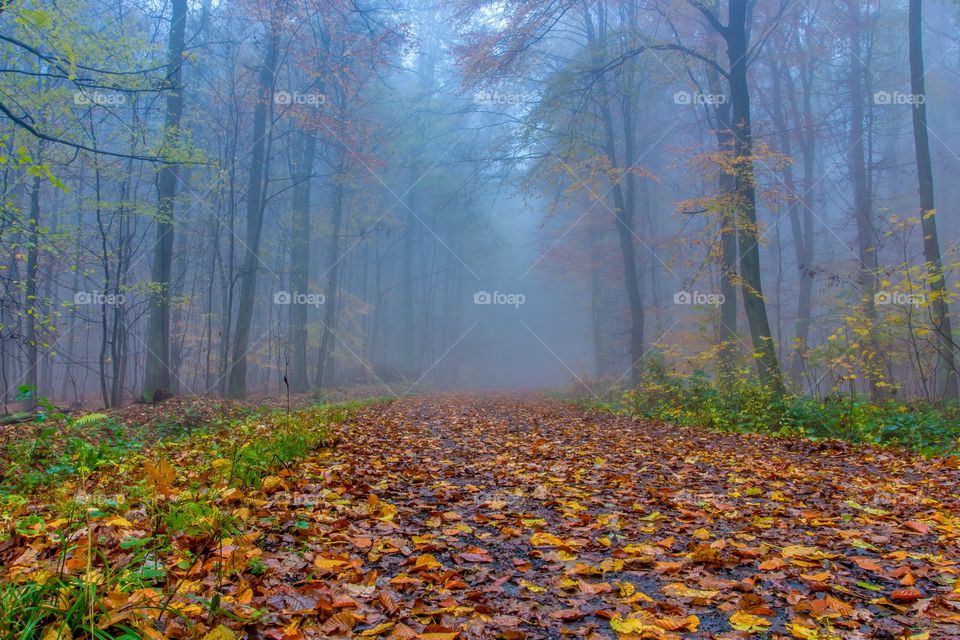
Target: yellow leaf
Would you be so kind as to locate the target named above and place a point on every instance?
(797, 630)
(582, 569)
(118, 521)
(387, 511)
(802, 632)
(805, 553)
(377, 630)
(743, 621)
(328, 564)
(220, 633)
(534, 588)
(271, 484)
(637, 622)
(639, 549)
(427, 561)
(544, 539)
(680, 590)
(611, 564)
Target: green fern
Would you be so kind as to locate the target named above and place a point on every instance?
(90, 419)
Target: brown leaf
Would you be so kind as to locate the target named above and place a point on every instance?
(910, 594)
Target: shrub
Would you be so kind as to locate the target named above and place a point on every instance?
(744, 404)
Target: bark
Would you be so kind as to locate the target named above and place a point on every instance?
(798, 214)
(596, 301)
(409, 365)
(862, 205)
(736, 38)
(623, 212)
(256, 203)
(947, 366)
(728, 236)
(327, 337)
(300, 263)
(157, 376)
(805, 265)
(31, 306)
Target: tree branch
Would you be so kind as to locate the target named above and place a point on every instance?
(619, 60)
(23, 124)
(711, 17)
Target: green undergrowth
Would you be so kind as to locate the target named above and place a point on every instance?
(178, 500)
(56, 446)
(742, 404)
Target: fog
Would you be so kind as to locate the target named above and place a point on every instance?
(246, 198)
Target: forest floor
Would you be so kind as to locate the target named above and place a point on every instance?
(515, 517)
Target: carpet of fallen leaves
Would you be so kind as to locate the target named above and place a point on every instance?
(508, 517)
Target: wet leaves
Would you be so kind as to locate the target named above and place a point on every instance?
(456, 518)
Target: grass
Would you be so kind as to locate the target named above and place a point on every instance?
(75, 478)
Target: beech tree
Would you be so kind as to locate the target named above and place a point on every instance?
(158, 374)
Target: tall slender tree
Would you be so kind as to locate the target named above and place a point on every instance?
(947, 389)
(158, 371)
(256, 200)
(736, 35)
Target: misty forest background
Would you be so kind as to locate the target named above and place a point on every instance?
(216, 197)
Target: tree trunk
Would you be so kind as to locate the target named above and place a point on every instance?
(805, 266)
(324, 359)
(746, 197)
(801, 249)
(728, 249)
(300, 264)
(157, 375)
(256, 203)
(862, 206)
(596, 300)
(31, 306)
(726, 187)
(947, 366)
(409, 366)
(623, 216)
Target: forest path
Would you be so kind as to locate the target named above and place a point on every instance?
(516, 517)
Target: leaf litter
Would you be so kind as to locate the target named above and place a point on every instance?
(508, 517)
